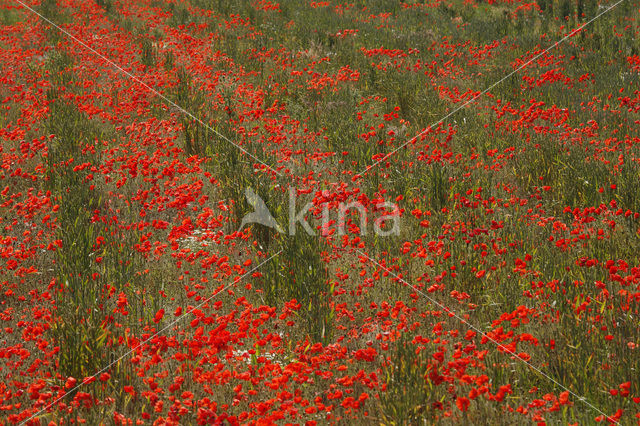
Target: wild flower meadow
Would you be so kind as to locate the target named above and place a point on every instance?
(445, 198)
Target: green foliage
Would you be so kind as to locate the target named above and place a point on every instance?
(542, 4)
(566, 9)
(86, 275)
(580, 9)
(107, 5)
(192, 100)
(79, 330)
(169, 60)
(410, 390)
(301, 273)
(590, 9)
(149, 53)
(180, 15)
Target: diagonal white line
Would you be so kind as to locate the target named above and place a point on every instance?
(145, 85)
(556, 44)
(126, 354)
(482, 333)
